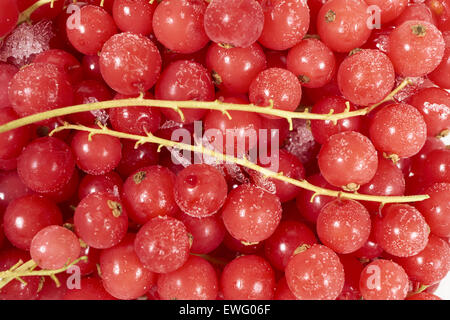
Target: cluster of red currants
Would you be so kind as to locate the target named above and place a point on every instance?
(151, 228)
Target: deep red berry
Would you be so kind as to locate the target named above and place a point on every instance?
(134, 16)
(13, 141)
(64, 60)
(162, 244)
(248, 277)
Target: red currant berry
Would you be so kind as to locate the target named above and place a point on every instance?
(185, 80)
(279, 85)
(251, 214)
(282, 291)
(437, 166)
(123, 275)
(285, 23)
(195, 280)
(430, 265)
(366, 77)
(91, 288)
(133, 159)
(348, 159)
(98, 154)
(9, 14)
(13, 141)
(439, 76)
(91, 67)
(94, 28)
(39, 87)
(416, 48)
(64, 60)
(130, 63)
(54, 247)
(178, 25)
(342, 24)
(315, 274)
(389, 9)
(398, 129)
(7, 72)
(225, 21)
(194, 193)
(108, 183)
(248, 278)
(134, 16)
(101, 220)
(46, 165)
(324, 129)
(233, 69)
(143, 200)
(162, 244)
(343, 225)
(312, 62)
(383, 280)
(289, 235)
(401, 231)
(26, 216)
(11, 188)
(434, 105)
(436, 209)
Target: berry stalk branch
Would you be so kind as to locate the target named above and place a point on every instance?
(240, 161)
(210, 105)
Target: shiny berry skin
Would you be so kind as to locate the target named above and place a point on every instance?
(101, 220)
(343, 225)
(310, 209)
(431, 264)
(143, 200)
(279, 85)
(290, 166)
(387, 181)
(16, 290)
(133, 159)
(195, 280)
(44, 12)
(11, 188)
(312, 62)
(54, 247)
(185, 80)
(323, 129)
(383, 280)
(390, 9)
(439, 76)
(178, 25)
(415, 11)
(315, 274)
(437, 166)
(98, 154)
(289, 235)
(26, 216)
(7, 72)
(436, 209)
(417, 162)
(416, 48)
(39, 87)
(162, 244)
(64, 60)
(225, 21)
(95, 28)
(282, 291)
(342, 24)
(91, 67)
(285, 23)
(207, 233)
(251, 214)
(46, 165)
(423, 296)
(398, 129)
(248, 278)
(402, 230)
(434, 105)
(195, 193)
(240, 128)
(13, 141)
(107, 183)
(234, 69)
(123, 275)
(134, 16)
(130, 63)
(9, 14)
(135, 120)
(348, 158)
(366, 77)
(91, 288)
